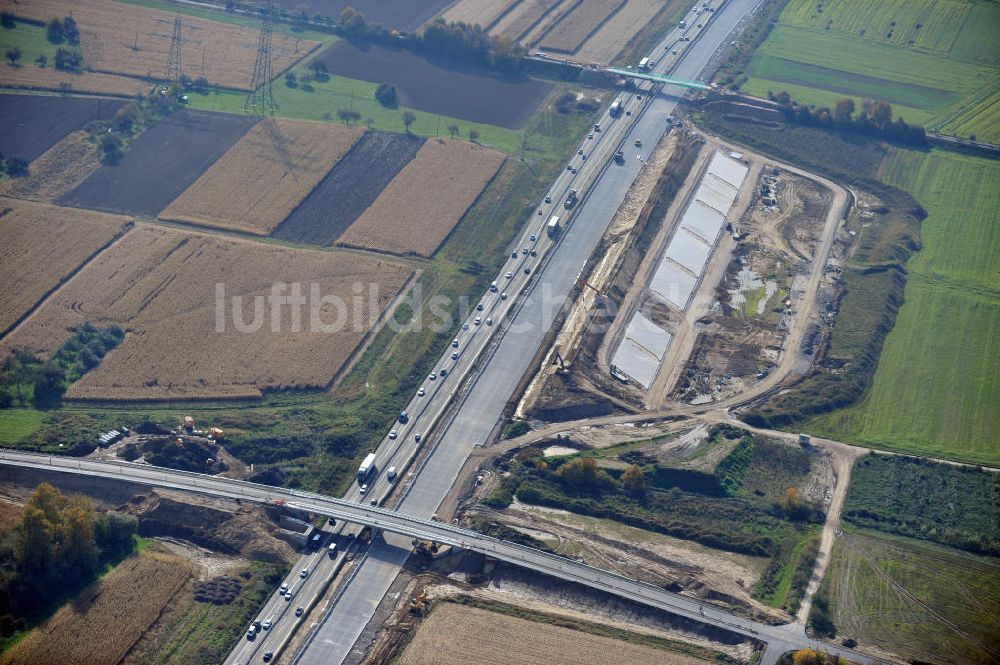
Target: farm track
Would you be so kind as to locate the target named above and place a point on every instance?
(349, 188)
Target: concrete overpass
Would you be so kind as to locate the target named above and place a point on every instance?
(778, 638)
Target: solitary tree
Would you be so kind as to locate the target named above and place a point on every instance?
(386, 95)
(473, 134)
(7, 20)
(347, 115)
(54, 31)
(13, 55)
(453, 130)
(42, 60)
(634, 480)
(408, 118)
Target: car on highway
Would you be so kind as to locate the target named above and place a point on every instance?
(489, 322)
(432, 376)
(573, 170)
(289, 594)
(252, 633)
(332, 549)
(444, 371)
(454, 343)
(533, 237)
(590, 137)
(509, 275)
(478, 320)
(421, 392)
(583, 157)
(304, 573)
(298, 611)
(548, 199)
(454, 355)
(416, 437)
(479, 307)
(268, 655)
(283, 588)
(392, 434)
(266, 625)
(362, 490)
(374, 502)
(390, 474)
(527, 271)
(513, 255)
(465, 326)
(580, 151)
(503, 296)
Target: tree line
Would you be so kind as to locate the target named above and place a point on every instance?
(453, 40)
(59, 545)
(875, 118)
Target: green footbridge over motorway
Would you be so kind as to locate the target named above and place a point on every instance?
(658, 78)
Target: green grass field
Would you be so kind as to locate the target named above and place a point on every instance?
(938, 380)
(917, 600)
(16, 424)
(328, 97)
(935, 62)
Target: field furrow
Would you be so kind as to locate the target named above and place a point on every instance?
(583, 21)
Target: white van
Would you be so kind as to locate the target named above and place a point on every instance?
(332, 550)
(391, 473)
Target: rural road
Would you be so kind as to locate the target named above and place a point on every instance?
(779, 638)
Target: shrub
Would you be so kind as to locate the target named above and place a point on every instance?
(386, 95)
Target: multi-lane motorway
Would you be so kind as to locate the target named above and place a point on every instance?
(459, 408)
(779, 637)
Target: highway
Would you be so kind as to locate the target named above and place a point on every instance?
(780, 637)
(506, 356)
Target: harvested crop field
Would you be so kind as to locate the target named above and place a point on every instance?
(108, 617)
(350, 188)
(400, 14)
(161, 163)
(421, 206)
(50, 78)
(186, 340)
(62, 168)
(42, 246)
(613, 36)
(441, 87)
(124, 38)
(584, 20)
(262, 178)
(483, 13)
(526, 15)
(31, 124)
(455, 635)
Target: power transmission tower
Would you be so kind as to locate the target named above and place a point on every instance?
(174, 63)
(260, 99)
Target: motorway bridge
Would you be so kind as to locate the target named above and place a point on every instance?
(778, 638)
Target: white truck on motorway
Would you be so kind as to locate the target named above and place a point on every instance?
(552, 228)
(616, 108)
(367, 468)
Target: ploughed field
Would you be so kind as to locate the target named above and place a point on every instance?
(43, 246)
(186, 340)
(421, 206)
(31, 124)
(349, 188)
(129, 39)
(160, 163)
(440, 87)
(265, 176)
